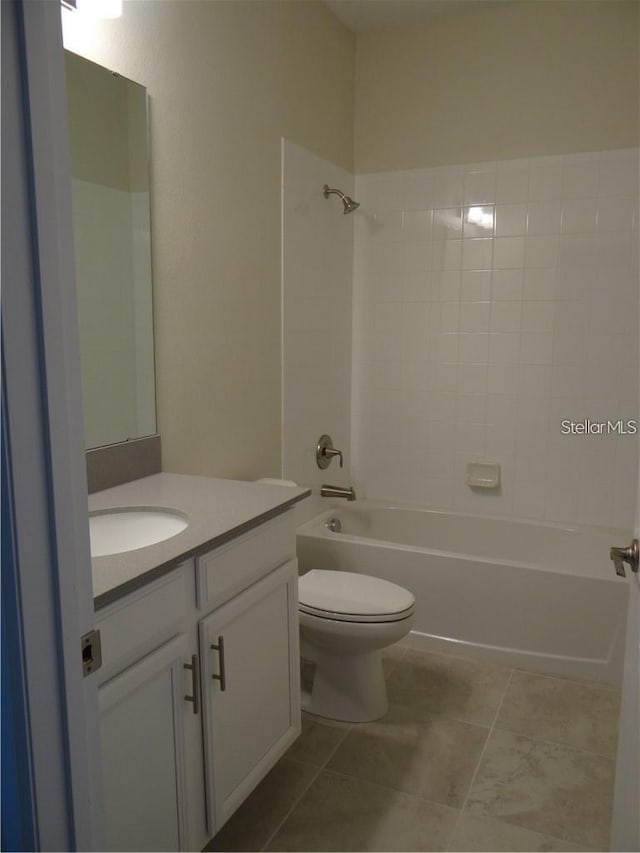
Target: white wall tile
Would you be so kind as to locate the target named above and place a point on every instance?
(476, 254)
(537, 348)
(576, 250)
(480, 185)
(473, 349)
(417, 257)
(417, 225)
(478, 220)
(504, 348)
(450, 317)
(614, 248)
(447, 223)
(618, 178)
(478, 347)
(580, 177)
(507, 284)
(472, 379)
(508, 253)
(475, 285)
(446, 254)
(543, 217)
(579, 215)
(445, 285)
(541, 251)
(448, 186)
(535, 380)
(417, 190)
(506, 316)
(545, 179)
(512, 181)
(540, 283)
(538, 316)
(474, 316)
(617, 214)
(503, 377)
(447, 347)
(511, 220)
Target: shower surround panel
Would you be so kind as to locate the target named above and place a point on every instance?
(492, 302)
(317, 272)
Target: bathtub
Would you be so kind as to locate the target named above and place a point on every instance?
(533, 595)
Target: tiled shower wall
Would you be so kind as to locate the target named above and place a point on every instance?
(492, 301)
(317, 272)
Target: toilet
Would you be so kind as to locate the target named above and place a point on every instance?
(346, 619)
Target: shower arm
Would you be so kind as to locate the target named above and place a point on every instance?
(328, 190)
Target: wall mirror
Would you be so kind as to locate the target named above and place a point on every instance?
(110, 176)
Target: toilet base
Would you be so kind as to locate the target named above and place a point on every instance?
(347, 687)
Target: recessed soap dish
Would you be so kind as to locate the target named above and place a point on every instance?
(483, 475)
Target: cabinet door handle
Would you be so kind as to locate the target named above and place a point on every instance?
(195, 683)
(222, 677)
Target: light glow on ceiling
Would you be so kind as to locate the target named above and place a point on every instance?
(100, 8)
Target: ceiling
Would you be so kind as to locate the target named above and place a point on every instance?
(361, 15)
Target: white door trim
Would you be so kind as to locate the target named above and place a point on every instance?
(47, 510)
(625, 831)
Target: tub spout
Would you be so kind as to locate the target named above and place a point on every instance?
(338, 492)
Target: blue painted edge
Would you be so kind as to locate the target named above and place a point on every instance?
(19, 825)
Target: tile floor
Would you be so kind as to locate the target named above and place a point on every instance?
(471, 756)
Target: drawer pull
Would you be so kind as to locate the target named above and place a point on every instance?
(222, 677)
(195, 683)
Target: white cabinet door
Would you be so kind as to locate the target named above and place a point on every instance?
(253, 715)
(142, 727)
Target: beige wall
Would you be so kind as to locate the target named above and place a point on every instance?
(526, 79)
(226, 80)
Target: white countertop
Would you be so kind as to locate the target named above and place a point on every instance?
(218, 510)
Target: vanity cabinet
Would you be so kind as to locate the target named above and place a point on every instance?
(142, 724)
(147, 727)
(251, 691)
(174, 770)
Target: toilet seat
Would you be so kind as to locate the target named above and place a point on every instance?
(352, 597)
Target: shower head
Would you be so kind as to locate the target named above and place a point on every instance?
(349, 204)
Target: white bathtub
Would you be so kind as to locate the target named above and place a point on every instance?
(534, 595)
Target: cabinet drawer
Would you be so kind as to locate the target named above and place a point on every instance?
(227, 570)
(141, 621)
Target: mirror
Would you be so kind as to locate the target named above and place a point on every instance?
(110, 176)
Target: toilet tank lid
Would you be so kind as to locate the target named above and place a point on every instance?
(349, 592)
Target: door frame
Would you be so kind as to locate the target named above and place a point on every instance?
(625, 828)
(52, 711)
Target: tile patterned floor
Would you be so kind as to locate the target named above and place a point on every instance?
(471, 756)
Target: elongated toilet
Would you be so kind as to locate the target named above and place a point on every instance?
(346, 619)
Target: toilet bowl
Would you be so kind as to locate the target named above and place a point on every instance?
(346, 619)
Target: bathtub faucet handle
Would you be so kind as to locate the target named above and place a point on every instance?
(325, 451)
(330, 452)
(629, 555)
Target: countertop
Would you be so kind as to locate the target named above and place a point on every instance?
(218, 510)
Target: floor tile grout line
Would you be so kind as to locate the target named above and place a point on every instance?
(293, 806)
(480, 757)
(440, 715)
(557, 743)
(320, 768)
(336, 747)
(411, 795)
(580, 682)
(490, 730)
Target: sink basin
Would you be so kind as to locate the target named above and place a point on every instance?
(114, 531)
